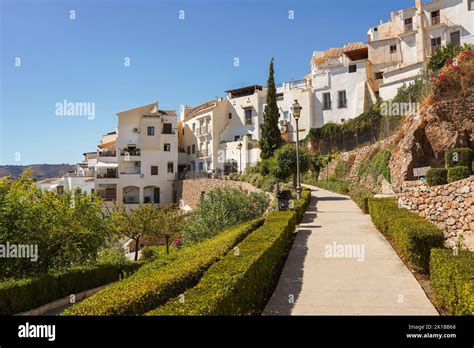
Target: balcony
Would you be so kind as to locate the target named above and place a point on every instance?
(435, 20)
(203, 153)
(202, 131)
(130, 152)
(107, 154)
(107, 195)
(408, 28)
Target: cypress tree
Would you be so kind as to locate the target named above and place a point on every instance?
(271, 138)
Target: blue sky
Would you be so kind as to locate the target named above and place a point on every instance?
(172, 60)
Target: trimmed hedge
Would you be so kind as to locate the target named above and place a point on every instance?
(360, 195)
(412, 235)
(437, 176)
(459, 157)
(452, 280)
(24, 294)
(300, 205)
(458, 173)
(239, 283)
(164, 278)
(338, 186)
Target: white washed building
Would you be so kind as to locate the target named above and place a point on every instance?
(339, 81)
(399, 49)
(147, 151)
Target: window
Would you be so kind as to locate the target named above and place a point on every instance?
(154, 170)
(170, 167)
(150, 131)
(230, 115)
(435, 44)
(201, 166)
(379, 75)
(167, 147)
(183, 130)
(279, 96)
(167, 128)
(393, 49)
(408, 24)
(286, 116)
(248, 117)
(470, 5)
(326, 101)
(194, 127)
(435, 18)
(193, 148)
(455, 38)
(341, 99)
(156, 195)
(352, 68)
(188, 150)
(236, 138)
(343, 120)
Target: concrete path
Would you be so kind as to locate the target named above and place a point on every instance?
(340, 264)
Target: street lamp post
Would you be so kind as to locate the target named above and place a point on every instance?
(296, 109)
(239, 147)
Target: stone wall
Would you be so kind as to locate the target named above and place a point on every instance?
(189, 191)
(357, 156)
(450, 207)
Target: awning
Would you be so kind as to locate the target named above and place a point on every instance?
(106, 165)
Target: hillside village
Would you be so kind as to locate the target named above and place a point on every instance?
(152, 148)
(361, 201)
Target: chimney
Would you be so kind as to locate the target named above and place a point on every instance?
(418, 4)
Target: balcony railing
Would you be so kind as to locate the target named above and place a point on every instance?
(435, 20)
(107, 195)
(106, 175)
(202, 130)
(202, 153)
(107, 154)
(408, 27)
(131, 171)
(130, 152)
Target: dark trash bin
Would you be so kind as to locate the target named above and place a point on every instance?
(283, 198)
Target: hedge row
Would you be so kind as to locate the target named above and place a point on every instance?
(239, 283)
(437, 176)
(412, 235)
(24, 294)
(163, 279)
(452, 280)
(360, 195)
(300, 205)
(459, 157)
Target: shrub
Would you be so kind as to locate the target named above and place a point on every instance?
(452, 280)
(239, 283)
(441, 55)
(412, 235)
(154, 252)
(376, 165)
(360, 195)
(164, 278)
(343, 168)
(458, 173)
(437, 176)
(338, 186)
(24, 294)
(459, 157)
(223, 208)
(300, 205)
(112, 256)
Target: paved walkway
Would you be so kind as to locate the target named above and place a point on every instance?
(368, 278)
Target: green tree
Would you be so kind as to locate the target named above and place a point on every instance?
(169, 224)
(136, 223)
(271, 138)
(285, 162)
(67, 230)
(222, 208)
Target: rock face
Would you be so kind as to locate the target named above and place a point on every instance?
(450, 207)
(423, 140)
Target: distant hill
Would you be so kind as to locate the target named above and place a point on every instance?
(40, 171)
